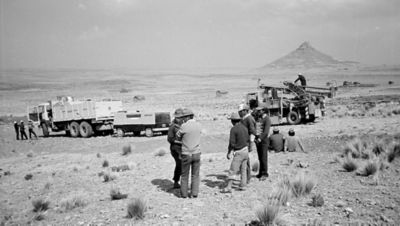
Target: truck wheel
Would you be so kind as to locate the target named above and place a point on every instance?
(74, 129)
(120, 132)
(148, 132)
(85, 129)
(45, 130)
(293, 118)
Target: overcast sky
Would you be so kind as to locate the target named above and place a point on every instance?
(193, 34)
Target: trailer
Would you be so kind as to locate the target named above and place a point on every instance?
(76, 118)
(137, 122)
(292, 104)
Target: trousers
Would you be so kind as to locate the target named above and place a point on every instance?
(190, 163)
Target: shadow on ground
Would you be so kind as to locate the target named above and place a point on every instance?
(166, 186)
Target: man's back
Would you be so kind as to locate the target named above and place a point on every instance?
(239, 137)
(190, 133)
(276, 142)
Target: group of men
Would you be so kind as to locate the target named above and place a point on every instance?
(20, 130)
(250, 132)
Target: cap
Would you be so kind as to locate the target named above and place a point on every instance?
(275, 129)
(187, 112)
(234, 116)
(243, 107)
(291, 130)
(178, 113)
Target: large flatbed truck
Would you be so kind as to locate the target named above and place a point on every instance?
(76, 118)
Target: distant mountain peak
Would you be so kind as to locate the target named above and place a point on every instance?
(306, 56)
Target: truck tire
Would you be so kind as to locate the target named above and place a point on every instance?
(120, 132)
(149, 132)
(85, 129)
(74, 129)
(45, 130)
(293, 118)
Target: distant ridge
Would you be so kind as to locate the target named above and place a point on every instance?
(306, 56)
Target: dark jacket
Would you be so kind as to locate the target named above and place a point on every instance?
(238, 137)
(16, 126)
(265, 127)
(277, 142)
(172, 138)
(302, 80)
(22, 126)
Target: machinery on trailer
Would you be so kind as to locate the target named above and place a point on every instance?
(76, 118)
(136, 122)
(292, 103)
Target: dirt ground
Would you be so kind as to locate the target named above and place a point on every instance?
(63, 168)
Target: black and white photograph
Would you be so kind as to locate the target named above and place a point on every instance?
(200, 112)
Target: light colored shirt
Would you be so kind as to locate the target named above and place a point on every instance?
(190, 132)
(293, 144)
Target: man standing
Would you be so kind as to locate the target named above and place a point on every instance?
(22, 130)
(189, 133)
(262, 144)
(302, 80)
(30, 129)
(238, 144)
(16, 127)
(276, 141)
(176, 145)
(250, 123)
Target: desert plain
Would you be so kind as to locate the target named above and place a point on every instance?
(65, 169)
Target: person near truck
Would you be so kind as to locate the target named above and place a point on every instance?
(276, 141)
(238, 145)
(262, 142)
(176, 145)
(22, 130)
(302, 80)
(31, 128)
(250, 123)
(293, 143)
(16, 127)
(190, 133)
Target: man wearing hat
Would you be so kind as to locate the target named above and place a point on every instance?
(22, 130)
(302, 80)
(293, 143)
(176, 145)
(263, 143)
(238, 144)
(276, 141)
(250, 123)
(16, 127)
(189, 133)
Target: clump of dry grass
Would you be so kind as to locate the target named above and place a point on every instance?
(282, 192)
(30, 154)
(28, 176)
(116, 194)
(393, 153)
(127, 149)
(317, 201)
(302, 184)
(72, 203)
(105, 163)
(356, 148)
(47, 186)
(40, 205)
(255, 167)
(349, 164)
(269, 214)
(121, 168)
(108, 177)
(370, 168)
(98, 155)
(136, 209)
(160, 152)
(38, 217)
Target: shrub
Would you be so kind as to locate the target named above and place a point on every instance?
(393, 153)
(105, 163)
(72, 203)
(349, 164)
(40, 205)
(137, 209)
(116, 194)
(370, 168)
(255, 167)
(160, 152)
(28, 176)
(47, 186)
(126, 149)
(107, 177)
(268, 214)
(98, 155)
(38, 217)
(281, 195)
(317, 201)
(378, 149)
(302, 185)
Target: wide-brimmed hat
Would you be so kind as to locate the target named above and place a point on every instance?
(291, 130)
(178, 113)
(187, 112)
(235, 116)
(243, 107)
(275, 129)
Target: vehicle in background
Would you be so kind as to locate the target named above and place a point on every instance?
(294, 103)
(136, 122)
(76, 118)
